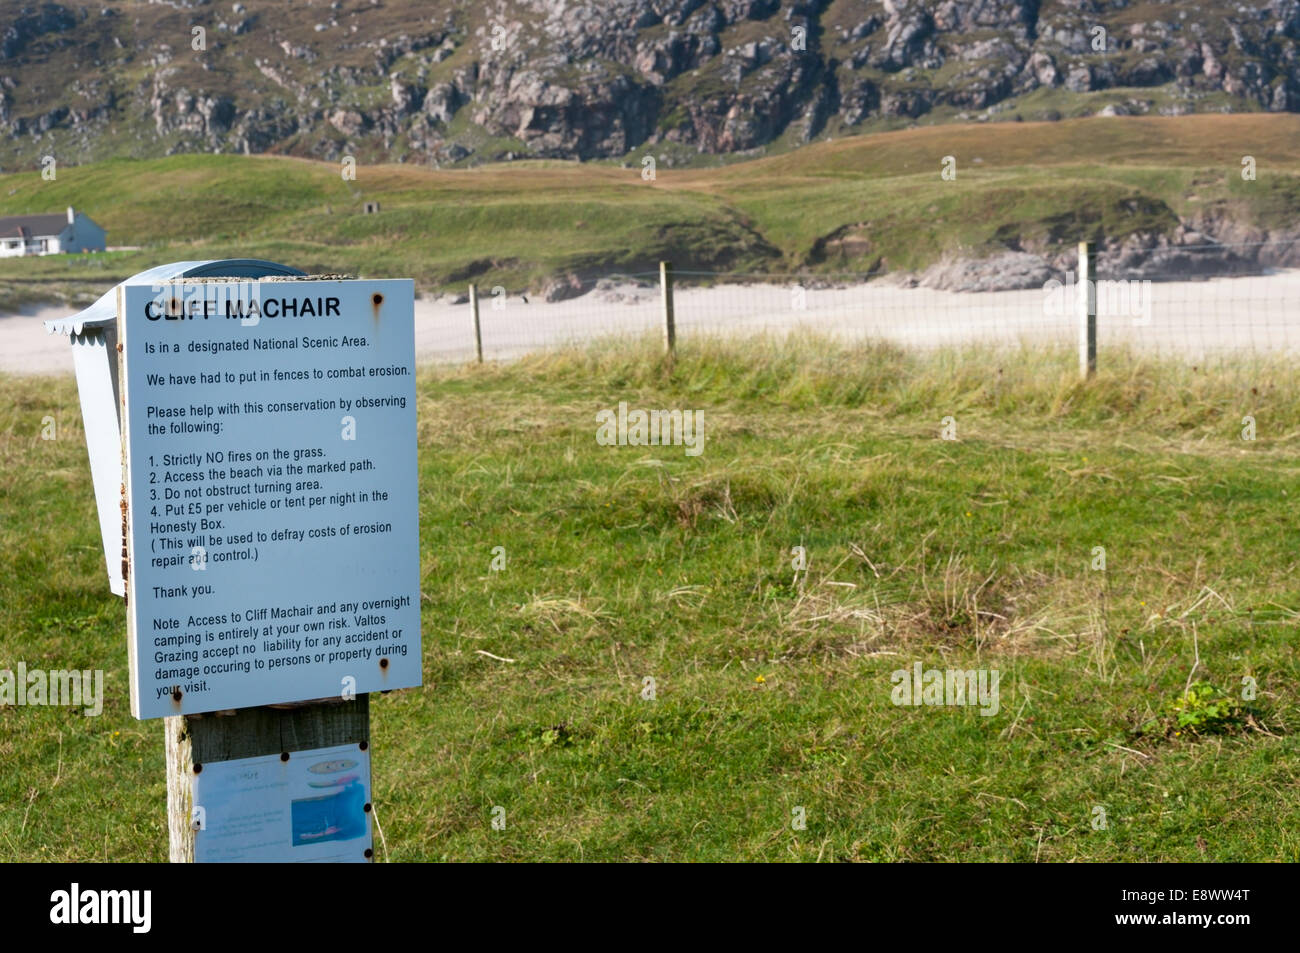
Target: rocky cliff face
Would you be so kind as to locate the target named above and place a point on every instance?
(451, 81)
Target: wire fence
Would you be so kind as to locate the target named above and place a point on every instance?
(1242, 299)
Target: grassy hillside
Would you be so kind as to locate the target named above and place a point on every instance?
(773, 687)
(866, 204)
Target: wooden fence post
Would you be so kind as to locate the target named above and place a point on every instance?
(666, 292)
(478, 331)
(194, 740)
(1087, 309)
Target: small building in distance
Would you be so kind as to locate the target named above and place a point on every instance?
(49, 234)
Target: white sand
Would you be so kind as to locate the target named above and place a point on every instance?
(25, 348)
(1189, 318)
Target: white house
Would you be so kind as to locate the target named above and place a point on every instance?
(49, 234)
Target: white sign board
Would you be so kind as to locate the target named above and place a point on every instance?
(308, 808)
(272, 508)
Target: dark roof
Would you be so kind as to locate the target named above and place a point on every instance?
(35, 225)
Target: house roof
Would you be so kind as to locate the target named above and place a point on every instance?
(104, 311)
(32, 226)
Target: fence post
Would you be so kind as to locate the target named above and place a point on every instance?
(478, 331)
(666, 291)
(1087, 309)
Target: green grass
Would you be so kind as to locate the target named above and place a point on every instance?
(773, 687)
(1041, 186)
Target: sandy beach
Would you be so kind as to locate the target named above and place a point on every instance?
(1192, 318)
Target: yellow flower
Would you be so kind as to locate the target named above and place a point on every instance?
(760, 679)
(968, 512)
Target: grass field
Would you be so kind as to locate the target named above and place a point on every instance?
(863, 204)
(772, 687)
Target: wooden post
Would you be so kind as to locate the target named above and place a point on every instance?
(1087, 309)
(195, 740)
(478, 331)
(666, 292)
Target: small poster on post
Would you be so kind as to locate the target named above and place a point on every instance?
(305, 807)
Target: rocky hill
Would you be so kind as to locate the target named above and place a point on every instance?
(449, 82)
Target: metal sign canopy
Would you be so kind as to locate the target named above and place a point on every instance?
(93, 335)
